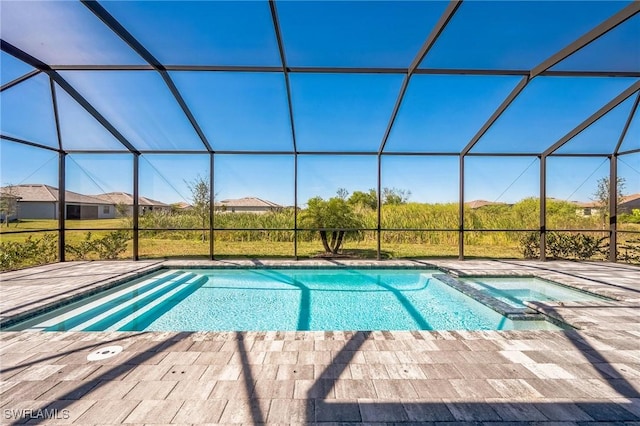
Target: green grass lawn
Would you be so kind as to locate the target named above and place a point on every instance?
(12, 233)
(487, 245)
(153, 248)
(28, 224)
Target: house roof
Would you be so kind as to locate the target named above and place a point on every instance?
(248, 202)
(183, 205)
(594, 204)
(126, 198)
(597, 205)
(629, 198)
(481, 203)
(588, 204)
(45, 193)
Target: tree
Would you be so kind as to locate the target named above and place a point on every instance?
(122, 209)
(200, 200)
(342, 193)
(601, 196)
(8, 203)
(332, 216)
(395, 196)
(365, 199)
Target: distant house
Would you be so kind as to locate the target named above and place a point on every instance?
(628, 203)
(247, 205)
(39, 201)
(476, 204)
(145, 204)
(182, 206)
(589, 208)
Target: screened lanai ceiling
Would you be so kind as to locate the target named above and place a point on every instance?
(417, 77)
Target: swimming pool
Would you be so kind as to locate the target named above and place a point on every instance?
(279, 299)
(515, 291)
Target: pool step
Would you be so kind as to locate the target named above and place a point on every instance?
(138, 303)
(97, 304)
(139, 320)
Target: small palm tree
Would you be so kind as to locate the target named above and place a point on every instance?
(334, 216)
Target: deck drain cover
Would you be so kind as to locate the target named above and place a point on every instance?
(104, 353)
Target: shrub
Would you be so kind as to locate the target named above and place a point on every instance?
(30, 252)
(564, 245)
(107, 247)
(560, 245)
(112, 244)
(82, 250)
(587, 246)
(530, 245)
(10, 255)
(629, 251)
(633, 217)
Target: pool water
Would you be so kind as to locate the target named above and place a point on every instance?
(280, 299)
(517, 290)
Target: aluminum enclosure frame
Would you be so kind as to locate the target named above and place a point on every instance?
(542, 69)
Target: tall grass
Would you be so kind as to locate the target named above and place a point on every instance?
(435, 223)
(417, 226)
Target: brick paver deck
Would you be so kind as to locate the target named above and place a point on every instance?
(554, 377)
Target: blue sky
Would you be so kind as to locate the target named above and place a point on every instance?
(430, 179)
(248, 111)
